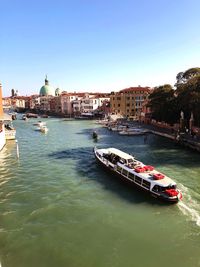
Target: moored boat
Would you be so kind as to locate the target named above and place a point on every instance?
(10, 131)
(133, 131)
(130, 170)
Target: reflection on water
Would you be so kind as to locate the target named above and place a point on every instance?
(57, 203)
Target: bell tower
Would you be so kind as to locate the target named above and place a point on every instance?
(46, 81)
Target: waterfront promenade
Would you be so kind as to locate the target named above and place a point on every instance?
(183, 139)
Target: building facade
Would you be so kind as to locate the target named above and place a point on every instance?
(129, 102)
(2, 128)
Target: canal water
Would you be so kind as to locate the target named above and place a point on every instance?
(59, 208)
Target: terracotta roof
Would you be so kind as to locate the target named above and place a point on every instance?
(139, 88)
(72, 94)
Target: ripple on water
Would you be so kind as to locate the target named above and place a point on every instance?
(57, 203)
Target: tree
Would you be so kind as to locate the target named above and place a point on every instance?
(162, 103)
(183, 77)
(189, 98)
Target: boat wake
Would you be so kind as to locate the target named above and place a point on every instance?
(190, 207)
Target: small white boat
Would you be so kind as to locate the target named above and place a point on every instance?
(118, 128)
(133, 131)
(44, 129)
(39, 123)
(102, 122)
(10, 131)
(130, 170)
(24, 117)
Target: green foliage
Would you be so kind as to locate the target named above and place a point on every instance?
(166, 103)
(184, 77)
(161, 102)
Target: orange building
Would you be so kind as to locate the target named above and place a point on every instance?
(129, 102)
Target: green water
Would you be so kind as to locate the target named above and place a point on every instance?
(58, 208)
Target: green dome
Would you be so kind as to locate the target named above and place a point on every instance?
(57, 92)
(47, 90)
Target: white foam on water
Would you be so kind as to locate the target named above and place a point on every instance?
(189, 206)
(194, 214)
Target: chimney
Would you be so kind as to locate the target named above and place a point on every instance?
(1, 104)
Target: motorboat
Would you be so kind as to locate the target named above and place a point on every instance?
(24, 117)
(44, 129)
(136, 173)
(85, 116)
(10, 131)
(118, 128)
(133, 131)
(39, 123)
(102, 121)
(31, 115)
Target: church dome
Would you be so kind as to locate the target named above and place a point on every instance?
(57, 92)
(46, 89)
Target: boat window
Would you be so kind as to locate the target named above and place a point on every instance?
(155, 188)
(98, 155)
(158, 188)
(131, 175)
(146, 184)
(121, 160)
(115, 159)
(119, 168)
(130, 160)
(171, 187)
(124, 172)
(138, 180)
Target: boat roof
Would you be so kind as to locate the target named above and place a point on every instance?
(162, 182)
(120, 153)
(166, 181)
(149, 176)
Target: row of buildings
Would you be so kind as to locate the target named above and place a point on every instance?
(2, 129)
(5, 130)
(129, 102)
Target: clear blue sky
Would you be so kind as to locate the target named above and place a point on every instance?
(89, 45)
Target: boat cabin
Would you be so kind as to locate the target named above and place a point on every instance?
(116, 155)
